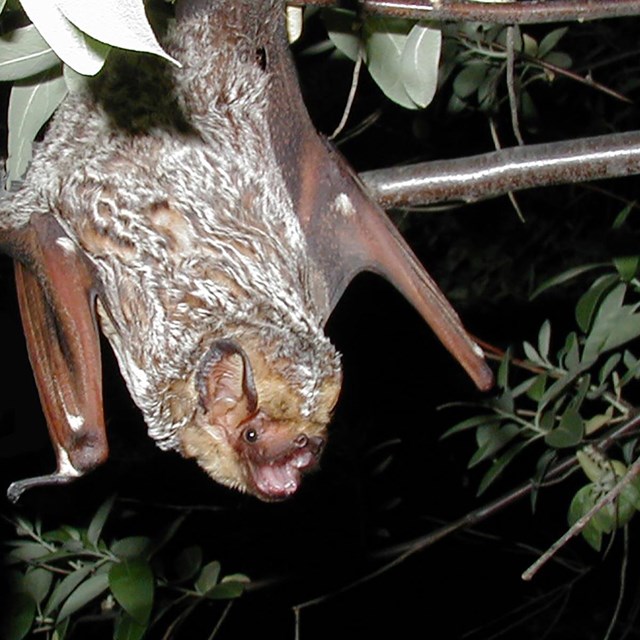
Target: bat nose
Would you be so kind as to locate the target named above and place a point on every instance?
(313, 444)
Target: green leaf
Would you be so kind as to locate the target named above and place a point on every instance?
(588, 303)
(31, 104)
(568, 433)
(343, 31)
(598, 421)
(97, 523)
(384, 43)
(537, 389)
(37, 583)
(208, 577)
(226, 591)
(20, 614)
(544, 339)
(498, 466)
(469, 423)
(503, 371)
(548, 43)
(469, 80)
(26, 552)
(128, 629)
(565, 276)
(621, 218)
(188, 563)
(492, 439)
(627, 266)
(82, 53)
(532, 355)
(419, 63)
(608, 367)
(131, 547)
(64, 588)
(614, 324)
(83, 595)
(132, 585)
(24, 53)
(581, 503)
(119, 23)
(167, 534)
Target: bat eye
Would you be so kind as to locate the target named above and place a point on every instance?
(250, 435)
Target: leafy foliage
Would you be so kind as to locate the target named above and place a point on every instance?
(60, 575)
(566, 401)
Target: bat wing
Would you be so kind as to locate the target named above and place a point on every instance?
(346, 231)
(55, 293)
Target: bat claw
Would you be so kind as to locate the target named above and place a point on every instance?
(16, 489)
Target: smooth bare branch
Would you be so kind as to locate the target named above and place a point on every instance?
(497, 173)
(518, 12)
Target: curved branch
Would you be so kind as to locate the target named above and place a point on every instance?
(494, 174)
(516, 12)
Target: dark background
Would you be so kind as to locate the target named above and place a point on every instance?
(386, 477)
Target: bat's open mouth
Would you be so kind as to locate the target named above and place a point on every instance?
(281, 478)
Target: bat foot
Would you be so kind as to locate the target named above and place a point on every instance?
(16, 489)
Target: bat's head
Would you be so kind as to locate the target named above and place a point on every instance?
(253, 430)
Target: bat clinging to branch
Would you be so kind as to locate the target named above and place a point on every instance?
(197, 219)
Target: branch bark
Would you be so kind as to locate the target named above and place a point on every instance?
(517, 12)
(494, 174)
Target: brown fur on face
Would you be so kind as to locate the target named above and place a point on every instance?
(252, 436)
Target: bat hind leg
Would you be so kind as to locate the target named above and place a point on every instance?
(87, 454)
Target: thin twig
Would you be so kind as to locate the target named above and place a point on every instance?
(511, 84)
(632, 473)
(352, 94)
(407, 550)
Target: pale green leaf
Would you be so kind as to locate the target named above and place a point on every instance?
(208, 577)
(544, 339)
(384, 45)
(469, 423)
(550, 41)
(119, 23)
(568, 433)
(64, 588)
(97, 523)
(565, 276)
(343, 31)
(82, 53)
(83, 595)
(37, 583)
(498, 466)
(31, 104)
(469, 80)
(24, 53)
(627, 266)
(588, 303)
(419, 63)
(226, 591)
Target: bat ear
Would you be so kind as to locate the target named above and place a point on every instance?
(56, 297)
(225, 384)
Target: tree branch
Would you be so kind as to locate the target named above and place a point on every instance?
(517, 12)
(493, 174)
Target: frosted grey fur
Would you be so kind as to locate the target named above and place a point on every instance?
(165, 178)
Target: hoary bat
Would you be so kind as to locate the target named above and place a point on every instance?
(195, 216)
